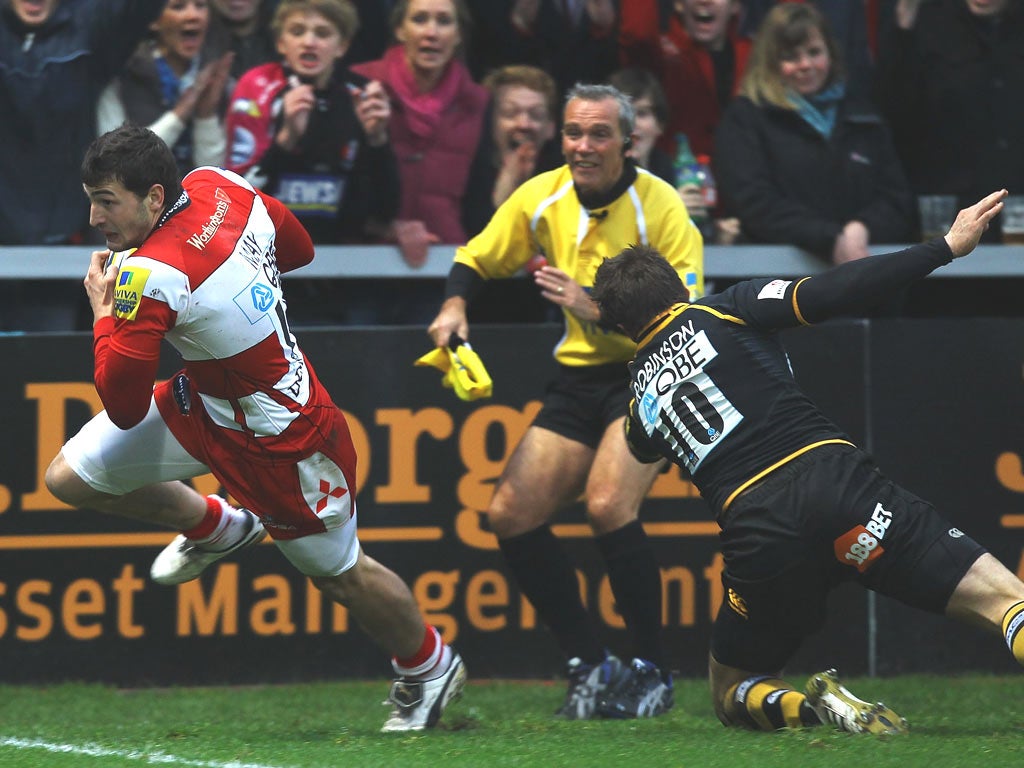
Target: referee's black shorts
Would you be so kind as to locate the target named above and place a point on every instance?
(827, 517)
(581, 401)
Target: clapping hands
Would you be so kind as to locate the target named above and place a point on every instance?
(203, 97)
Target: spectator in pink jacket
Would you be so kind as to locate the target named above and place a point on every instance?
(437, 116)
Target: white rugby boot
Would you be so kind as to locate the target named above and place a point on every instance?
(419, 704)
(183, 559)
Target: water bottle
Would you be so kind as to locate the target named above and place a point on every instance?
(684, 159)
(689, 183)
(708, 190)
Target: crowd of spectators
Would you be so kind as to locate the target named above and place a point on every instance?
(408, 122)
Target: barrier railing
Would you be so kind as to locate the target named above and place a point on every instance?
(381, 261)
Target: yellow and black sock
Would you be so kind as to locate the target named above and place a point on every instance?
(768, 704)
(1013, 631)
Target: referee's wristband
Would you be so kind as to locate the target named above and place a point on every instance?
(462, 281)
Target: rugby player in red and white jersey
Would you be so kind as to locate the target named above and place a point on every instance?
(198, 262)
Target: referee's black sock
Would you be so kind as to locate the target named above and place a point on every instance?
(541, 569)
(636, 583)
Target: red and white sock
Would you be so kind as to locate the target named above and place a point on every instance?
(215, 530)
(430, 661)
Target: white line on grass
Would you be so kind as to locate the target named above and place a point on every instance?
(152, 758)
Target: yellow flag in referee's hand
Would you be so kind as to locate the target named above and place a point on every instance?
(463, 370)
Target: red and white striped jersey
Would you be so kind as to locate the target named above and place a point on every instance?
(208, 279)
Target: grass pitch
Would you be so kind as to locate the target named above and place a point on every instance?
(960, 721)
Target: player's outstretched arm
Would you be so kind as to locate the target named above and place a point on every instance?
(971, 223)
(857, 286)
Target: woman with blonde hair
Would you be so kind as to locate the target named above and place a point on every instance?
(800, 161)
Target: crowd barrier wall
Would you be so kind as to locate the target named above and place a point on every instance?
(375, 261)
(939, 403)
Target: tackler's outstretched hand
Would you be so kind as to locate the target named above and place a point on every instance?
(972, 222)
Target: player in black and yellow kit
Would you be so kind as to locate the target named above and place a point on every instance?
(800, 507)
(576, 217)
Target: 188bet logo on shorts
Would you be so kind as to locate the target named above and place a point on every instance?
(863, 543)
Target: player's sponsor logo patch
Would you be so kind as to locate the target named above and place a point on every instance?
(131, 282)
(650, 405)
(198, 240)
(862, 545)
(262, 297)
(737, 603)
(955, 533)
(330, 492)
(255, 300)
(776, 289)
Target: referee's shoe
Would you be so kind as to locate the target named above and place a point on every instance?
(642, 692)
(587, 682)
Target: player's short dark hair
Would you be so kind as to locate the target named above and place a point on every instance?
(634, 287)
(134, 156)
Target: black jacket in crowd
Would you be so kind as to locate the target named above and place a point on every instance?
(50, 81)
(952, 88)
(789, 184)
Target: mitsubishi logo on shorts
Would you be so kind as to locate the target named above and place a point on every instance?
(328, 493)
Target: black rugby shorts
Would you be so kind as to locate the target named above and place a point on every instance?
(827, 517)
(582, 401)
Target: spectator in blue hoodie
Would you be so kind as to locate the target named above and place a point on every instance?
(55, 58)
